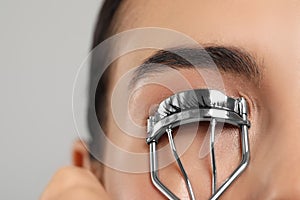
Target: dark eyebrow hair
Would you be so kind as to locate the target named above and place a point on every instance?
(227, 59)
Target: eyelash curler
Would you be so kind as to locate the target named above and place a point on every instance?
(197, 106)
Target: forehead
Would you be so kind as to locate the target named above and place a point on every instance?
(214, 21)
(271, 26)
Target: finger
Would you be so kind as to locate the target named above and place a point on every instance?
(74, 183)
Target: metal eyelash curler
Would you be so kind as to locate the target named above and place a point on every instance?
(196, 106)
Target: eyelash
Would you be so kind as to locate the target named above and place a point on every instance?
(178, 103)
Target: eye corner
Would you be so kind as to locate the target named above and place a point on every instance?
(252, 103)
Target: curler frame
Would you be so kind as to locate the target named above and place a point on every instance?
(196, 106)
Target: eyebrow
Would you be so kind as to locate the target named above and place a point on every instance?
(227, 59)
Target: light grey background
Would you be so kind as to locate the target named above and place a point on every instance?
(42, 44)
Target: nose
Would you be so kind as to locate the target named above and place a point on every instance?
(274, 170)
(278, 154)
(281, 170)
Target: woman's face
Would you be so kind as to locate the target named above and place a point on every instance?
(270, 32)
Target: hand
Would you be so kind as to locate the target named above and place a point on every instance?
(74, 183)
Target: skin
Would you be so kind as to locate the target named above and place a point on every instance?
(269, 30)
